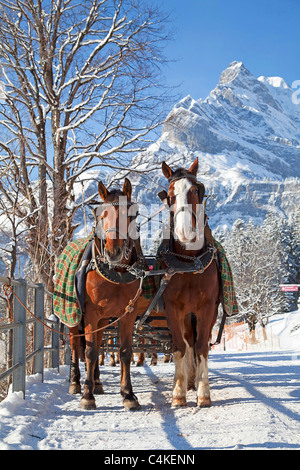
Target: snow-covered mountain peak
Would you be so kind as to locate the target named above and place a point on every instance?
(246, 135)
(276, 82)
(235, 69)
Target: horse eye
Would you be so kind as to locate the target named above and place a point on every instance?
(103, 215)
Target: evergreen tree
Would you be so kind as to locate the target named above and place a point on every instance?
(295, 242)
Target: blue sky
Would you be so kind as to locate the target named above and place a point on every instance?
(210, 34)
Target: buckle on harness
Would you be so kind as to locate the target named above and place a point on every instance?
(199, 266)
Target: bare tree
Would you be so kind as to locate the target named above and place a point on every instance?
(256, 260)
(81, 88)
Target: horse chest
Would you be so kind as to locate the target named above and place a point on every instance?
(186, 292)
(111, 298)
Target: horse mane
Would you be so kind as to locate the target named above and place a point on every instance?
(113, 195)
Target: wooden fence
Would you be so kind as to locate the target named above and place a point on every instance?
(19, 356)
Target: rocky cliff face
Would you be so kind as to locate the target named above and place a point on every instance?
(246, 135)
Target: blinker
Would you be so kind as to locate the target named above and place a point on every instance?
(163, 196)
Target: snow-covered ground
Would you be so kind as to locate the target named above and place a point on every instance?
(255, 395)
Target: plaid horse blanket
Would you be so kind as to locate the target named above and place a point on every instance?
(230, 304)
(68, 297)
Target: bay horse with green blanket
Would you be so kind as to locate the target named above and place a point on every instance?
(191, 299)
(107, 298)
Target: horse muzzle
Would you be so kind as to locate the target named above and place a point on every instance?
(113, 255)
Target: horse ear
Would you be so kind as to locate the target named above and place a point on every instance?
(194, 167)
(166, 170)
(102, 191)
(127, 189)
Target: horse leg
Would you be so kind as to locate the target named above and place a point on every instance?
(167, 358)
(180, 380)
(102, 358)
(201, 350)
(74, 387)
(154, 355)
(112, 355)
(141, 357)
(154, 359)
(112, 360)
(179, 349)
(202, 382)
(91, 355)
(130, 401)
(141, 360)
(189, 336)
(98, 390)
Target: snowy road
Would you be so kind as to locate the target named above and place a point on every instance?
(256, 405)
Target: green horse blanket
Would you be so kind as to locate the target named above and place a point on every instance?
(68, 297)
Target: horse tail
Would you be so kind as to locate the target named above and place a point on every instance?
(194, 326)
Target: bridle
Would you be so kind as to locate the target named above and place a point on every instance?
(101, 234)
(163, 195)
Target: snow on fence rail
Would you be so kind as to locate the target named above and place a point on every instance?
(19, 334)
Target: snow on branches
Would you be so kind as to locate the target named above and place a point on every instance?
(261, 258)
(82, 88)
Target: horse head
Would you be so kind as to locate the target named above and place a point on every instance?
(113, 218)
(184, 197)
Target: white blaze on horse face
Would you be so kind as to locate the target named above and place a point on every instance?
(183, 217)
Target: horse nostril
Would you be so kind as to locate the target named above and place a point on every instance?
(118, 251)
(114, 254)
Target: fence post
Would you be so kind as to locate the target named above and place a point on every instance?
(19, 338)
(55, 345)
(38, 360)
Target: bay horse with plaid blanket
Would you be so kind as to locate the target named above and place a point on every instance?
(105, 299)
(191, 299)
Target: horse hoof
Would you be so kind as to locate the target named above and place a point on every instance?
(178, 402)
(131, 405)
(74, 389)
(98, 389)
(204, 402)
(88, 404)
